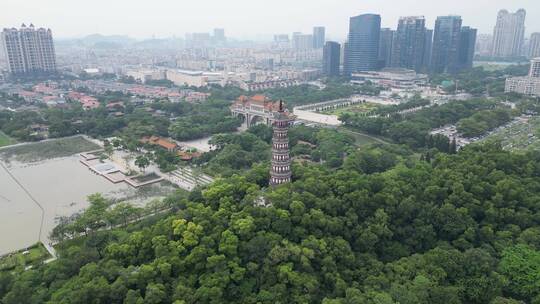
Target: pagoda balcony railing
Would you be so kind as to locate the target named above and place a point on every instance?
(281, 162)
(281, 175)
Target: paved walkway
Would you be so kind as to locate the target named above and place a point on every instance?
(52, 252)
(186, 179)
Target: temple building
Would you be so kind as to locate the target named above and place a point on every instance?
(255, 110)
(280, 171)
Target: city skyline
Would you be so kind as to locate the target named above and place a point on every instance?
(75, 19)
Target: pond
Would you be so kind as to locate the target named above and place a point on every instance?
(60, 186)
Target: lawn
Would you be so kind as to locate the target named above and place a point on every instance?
(365, 107)
(19, 260)
(39, 151)
(5, 140)
(361, 139)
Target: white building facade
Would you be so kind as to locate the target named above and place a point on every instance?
(528, 85)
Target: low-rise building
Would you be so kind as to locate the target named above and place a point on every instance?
(87, 102)
(187, 78)
(395, 78)
(188, 156)
(193, 96)
(115, 106)
(39, 130)
(265, 85)
(53, 101)
(161, 142)
(144, 75)
(527, 85)
(523, 85)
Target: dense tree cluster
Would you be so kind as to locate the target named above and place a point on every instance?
(106, 214)
(237, 152)
(462, 228)
(479, 81)
(415, 102)
(15, 124)
(8, 100)
(305, 94)
(483, 121)
(234, 152)
(204, 122)
(189, 121)
(321, 145)
(413, 129)
(441, 143)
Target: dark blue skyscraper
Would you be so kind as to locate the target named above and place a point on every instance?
(445, 52)
(409, 43)
(385, 47)
(467, 44)
(331, 56)
(428, 46)
(362, 48)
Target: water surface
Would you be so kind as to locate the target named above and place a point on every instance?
(59, 185)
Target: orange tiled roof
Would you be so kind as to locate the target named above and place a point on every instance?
(156, 140)
(188, 155)
(166, 144)
(259, 98)
(184, 156)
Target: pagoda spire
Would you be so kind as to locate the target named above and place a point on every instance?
(280, 171)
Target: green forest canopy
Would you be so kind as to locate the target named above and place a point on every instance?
(462, 228)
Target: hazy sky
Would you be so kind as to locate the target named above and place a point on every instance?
(242, 18)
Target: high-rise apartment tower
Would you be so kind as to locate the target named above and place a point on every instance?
(385, 47)
(446, 38)
(508, 34)
(467, 44)
(409, 43)
(29, 51)
(362, 47)
(534, 46)
(319, 37)
(331, 54)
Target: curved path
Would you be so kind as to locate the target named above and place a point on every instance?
(364, 134)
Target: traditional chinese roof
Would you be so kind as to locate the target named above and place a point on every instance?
(187, 156)
(259, 100)
(166, 144)
(156, 140)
